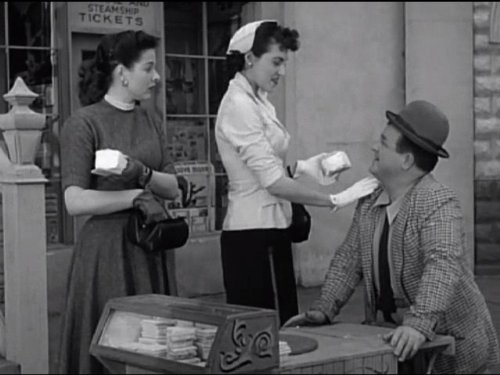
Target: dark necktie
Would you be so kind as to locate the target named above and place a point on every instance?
(386, 298)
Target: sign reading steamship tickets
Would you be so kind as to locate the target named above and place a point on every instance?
(105, 17)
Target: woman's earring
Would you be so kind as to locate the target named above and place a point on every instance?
(250, 64)
(124, 81)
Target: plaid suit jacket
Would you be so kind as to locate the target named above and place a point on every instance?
(430, 272)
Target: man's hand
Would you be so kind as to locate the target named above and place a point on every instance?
(309, 318)
(406, 341)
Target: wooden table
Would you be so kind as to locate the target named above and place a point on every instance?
(345, 348)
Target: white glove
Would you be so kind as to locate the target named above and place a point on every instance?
(350, 195)
(312, 167)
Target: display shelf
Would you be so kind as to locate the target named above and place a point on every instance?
(165, 334)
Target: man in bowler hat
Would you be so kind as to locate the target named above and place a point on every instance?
(407, 243)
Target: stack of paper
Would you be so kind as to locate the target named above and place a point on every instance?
(205, 335)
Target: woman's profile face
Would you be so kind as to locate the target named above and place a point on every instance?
(269, 68)
(142, 76)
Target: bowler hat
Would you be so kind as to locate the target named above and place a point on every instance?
(424, 125)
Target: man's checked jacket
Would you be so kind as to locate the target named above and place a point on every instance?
(430, 273)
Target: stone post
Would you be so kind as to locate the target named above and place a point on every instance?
(25, 258)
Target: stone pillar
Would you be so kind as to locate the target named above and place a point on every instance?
(25, 259)
(439, 51)
(487, 136)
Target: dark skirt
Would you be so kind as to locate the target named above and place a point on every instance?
(247, 271)
(104, 265)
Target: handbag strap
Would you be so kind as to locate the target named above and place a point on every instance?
(166, 285)
(151, 259)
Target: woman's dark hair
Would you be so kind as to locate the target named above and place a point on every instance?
(113, 49)
(266, 34)
(423, 160)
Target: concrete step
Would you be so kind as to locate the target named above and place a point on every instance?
(9, 367)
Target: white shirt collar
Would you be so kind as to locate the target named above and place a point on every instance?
(391, 207)
(261, 98)
(242, 81)
(119, 104)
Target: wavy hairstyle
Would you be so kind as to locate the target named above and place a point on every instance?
(96, 75)
(266, 34)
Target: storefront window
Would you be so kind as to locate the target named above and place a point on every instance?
(184, 82)
(223, 18)
(196, 35)
(27, 51)
(2, 24)
(196, 39)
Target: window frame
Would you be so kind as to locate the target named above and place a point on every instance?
(206, 116)
(53, 187)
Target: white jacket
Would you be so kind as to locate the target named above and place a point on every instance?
(252, 144)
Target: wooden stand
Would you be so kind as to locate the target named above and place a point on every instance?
(345, 348)
(247, 341)
(246, 338)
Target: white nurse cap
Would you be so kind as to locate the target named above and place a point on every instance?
(242, 40)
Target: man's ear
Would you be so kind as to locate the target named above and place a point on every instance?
(408, 161)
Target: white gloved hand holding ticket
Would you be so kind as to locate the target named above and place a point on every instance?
(334, 164)
(324, 168)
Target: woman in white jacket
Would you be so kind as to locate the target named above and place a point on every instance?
(253, 144)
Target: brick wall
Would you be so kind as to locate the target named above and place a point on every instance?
(487, 140)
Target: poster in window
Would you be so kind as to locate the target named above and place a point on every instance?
(197, 207)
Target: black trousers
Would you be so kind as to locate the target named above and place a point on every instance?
(247, 272)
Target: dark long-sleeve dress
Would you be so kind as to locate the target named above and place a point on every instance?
(105, 264)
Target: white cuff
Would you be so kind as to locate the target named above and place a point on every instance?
(299, 169)
(334, 200)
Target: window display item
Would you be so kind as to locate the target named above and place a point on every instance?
(198, 207)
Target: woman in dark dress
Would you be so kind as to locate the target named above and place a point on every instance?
(105, 264)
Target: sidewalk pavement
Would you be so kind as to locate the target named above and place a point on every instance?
(352, 312)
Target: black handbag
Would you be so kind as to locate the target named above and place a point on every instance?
(301, 221)
(166, 234)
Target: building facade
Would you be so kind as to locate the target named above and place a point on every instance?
(487, 134)
(356, 60)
